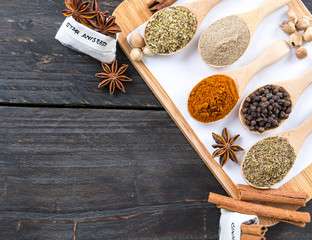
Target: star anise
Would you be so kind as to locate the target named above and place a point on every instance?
(113, 77)
(100, 16)
(107, 26)
(226, 148)
(79, 10)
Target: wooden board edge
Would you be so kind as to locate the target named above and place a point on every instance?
(299, 7)
(167, 103)
(294, 184)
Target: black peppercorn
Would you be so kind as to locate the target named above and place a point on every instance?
(287, 103)
(266, 107)
(275, 123)
(282, 114)
(279, 94)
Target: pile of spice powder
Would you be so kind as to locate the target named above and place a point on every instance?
(213, 98)
(268, 161)
(170, 30)
(224, 42)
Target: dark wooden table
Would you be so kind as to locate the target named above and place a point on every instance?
(77, 163)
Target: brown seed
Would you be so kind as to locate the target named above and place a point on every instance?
(292, 15)
(307, 35)
(136, 54)
(147, 51)
(295, 39)
(303, 23)
(137, 41)
(301, 53)
(288, 27)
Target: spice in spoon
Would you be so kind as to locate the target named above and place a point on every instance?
(268, 161)
(224, 42)
(170, 30)
(213, 98)
(266, 107)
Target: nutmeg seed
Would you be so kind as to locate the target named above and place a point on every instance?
(136, 40)
(136, 54)
(292, 16)
(295, 39)
(147, 51)
(288, 27)
(307, 35)
(303, 23)
(301, 53)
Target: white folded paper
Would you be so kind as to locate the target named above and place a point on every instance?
(85, 40)
(230, 224)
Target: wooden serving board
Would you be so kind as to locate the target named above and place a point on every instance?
(130, 14)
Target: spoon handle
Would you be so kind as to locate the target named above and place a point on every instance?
(272, 54)
(255, 17)
(298, 135)
(201, 8)
(296, 86)
(264, 10)
(270, 6)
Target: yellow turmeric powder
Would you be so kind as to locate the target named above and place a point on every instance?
(213, 98)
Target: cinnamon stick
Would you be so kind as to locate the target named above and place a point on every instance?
(156, 5)
(251, 237)
(257, 230)
(299, 224)
(257, 209)
(271, 196)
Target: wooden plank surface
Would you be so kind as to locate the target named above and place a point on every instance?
(108, 174)
(39, 70)
(87, 172)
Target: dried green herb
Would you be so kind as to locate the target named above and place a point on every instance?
(268, 161)
(170, 30)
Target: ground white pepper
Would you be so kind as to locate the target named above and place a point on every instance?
(170, 30)
(224, 42)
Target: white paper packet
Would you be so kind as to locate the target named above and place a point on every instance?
(80, 38)
(230, 224)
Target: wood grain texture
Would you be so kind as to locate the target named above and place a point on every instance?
(92, 173)
(105, 174)
(37, 69)
(116, 173)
